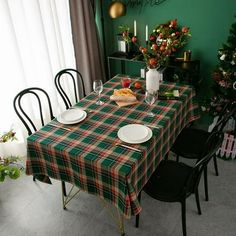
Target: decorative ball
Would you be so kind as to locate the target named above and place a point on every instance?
(234, 85)
(117, 9)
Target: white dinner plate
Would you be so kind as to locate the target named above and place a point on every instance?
(134, 133)
(72, 116)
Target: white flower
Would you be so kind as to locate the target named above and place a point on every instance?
(222, 83)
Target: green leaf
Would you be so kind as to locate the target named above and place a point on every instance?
(14, 173)
(2, 177)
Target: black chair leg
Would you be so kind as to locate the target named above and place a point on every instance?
(215, 165)
(137, 216)
(183, 212)
(206, 184)
(198, 202)
(63, 185)
(34, 179)
(177, 158)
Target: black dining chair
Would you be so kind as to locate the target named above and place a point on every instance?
(175, 181)
(42, 105)
(190, 142)
(70, 78)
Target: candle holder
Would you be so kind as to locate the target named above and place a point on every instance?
(187, 55)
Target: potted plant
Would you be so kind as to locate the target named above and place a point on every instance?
(9, 165)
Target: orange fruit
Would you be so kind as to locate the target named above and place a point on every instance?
(137, 85)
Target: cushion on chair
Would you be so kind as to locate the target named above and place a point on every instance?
(168, 181)
(190, 143)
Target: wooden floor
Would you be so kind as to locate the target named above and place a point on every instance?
(34, 208)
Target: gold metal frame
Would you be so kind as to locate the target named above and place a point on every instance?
(66, 199)
(118, 218)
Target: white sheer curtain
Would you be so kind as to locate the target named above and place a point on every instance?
(35, 43)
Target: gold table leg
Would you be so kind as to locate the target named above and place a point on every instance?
(118, 219)
(69, 197)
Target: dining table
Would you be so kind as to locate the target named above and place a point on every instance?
(90, 155)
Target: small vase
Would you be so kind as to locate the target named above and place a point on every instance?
(153, 77)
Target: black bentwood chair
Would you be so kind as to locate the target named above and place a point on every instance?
(190, 142)
(74, 79)
(43, 105)
(174, 181)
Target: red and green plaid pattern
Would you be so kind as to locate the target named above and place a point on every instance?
(87, 156)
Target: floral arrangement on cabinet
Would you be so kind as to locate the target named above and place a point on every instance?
(163, 42)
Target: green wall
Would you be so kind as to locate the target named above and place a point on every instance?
(209, 22)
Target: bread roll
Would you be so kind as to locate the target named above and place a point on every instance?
(123, 95)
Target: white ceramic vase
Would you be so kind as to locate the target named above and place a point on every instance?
(153, 77)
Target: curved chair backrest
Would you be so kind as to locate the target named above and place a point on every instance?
(77, 82)
(41, 96)
(213, 143)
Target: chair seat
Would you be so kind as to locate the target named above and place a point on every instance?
(190, 143)
(168, 181)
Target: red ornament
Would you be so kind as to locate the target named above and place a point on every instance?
(134, 39)
(152, 38)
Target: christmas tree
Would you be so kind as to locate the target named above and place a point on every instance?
(224, 75)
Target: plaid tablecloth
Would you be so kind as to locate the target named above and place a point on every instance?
(87, 156)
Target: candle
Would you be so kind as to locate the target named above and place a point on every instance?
(135, 29)
(146, 32)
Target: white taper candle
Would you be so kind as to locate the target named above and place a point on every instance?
(146, 32)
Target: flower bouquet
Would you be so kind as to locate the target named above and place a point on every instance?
(163, 42)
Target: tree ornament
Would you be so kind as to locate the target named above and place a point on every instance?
(222, 58)
(234, 85)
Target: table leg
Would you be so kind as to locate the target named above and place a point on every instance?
(66, 199)
(121, 220)
(118, 219)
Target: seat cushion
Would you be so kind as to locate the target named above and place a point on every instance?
(190, 143)
(168, 181)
